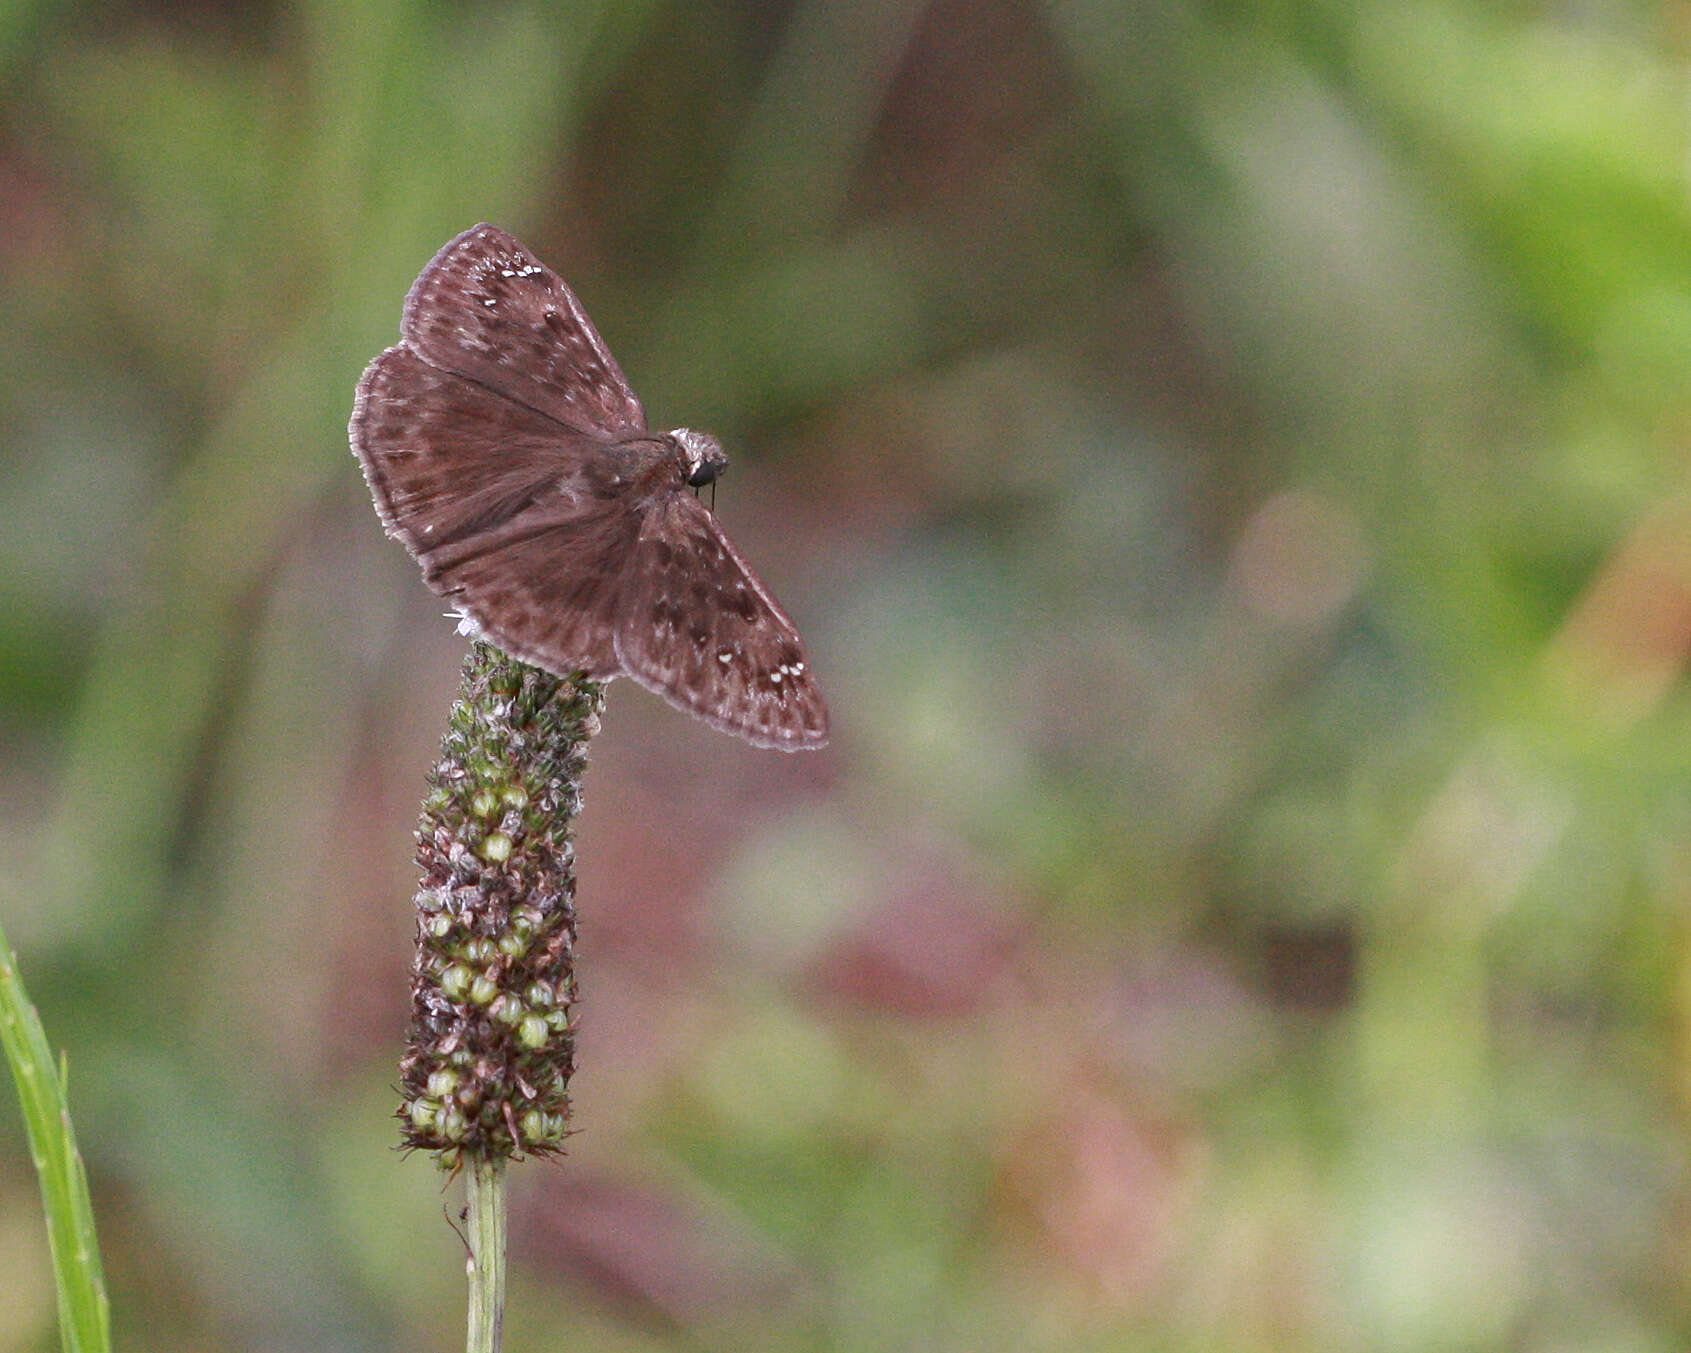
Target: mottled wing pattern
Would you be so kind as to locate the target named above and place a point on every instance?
(511, 516)
(698, 627)
(487, 309)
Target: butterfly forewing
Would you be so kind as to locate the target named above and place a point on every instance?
(487, 309)
(697, 626)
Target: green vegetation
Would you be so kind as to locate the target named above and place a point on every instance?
(1229, 463)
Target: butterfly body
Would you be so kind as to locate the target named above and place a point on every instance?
(505, 449)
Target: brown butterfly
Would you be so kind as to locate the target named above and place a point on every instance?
(504, 447)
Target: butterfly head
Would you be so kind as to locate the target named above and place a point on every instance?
(701, 454)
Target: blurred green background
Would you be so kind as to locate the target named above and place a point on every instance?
(1229, 462)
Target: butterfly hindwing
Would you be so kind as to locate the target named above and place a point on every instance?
(546, 591)
(511, 517)
(446, 457)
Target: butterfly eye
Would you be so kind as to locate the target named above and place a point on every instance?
(701, 453)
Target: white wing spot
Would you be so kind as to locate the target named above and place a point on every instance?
(775, 677)
(506, 272)
(725, 657)
(491, 301)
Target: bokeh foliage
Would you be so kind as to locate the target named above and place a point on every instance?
(1227, 459)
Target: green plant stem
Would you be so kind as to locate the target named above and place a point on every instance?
(484, 1197)
(84, 1314)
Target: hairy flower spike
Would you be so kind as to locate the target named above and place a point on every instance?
(492, 1045)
